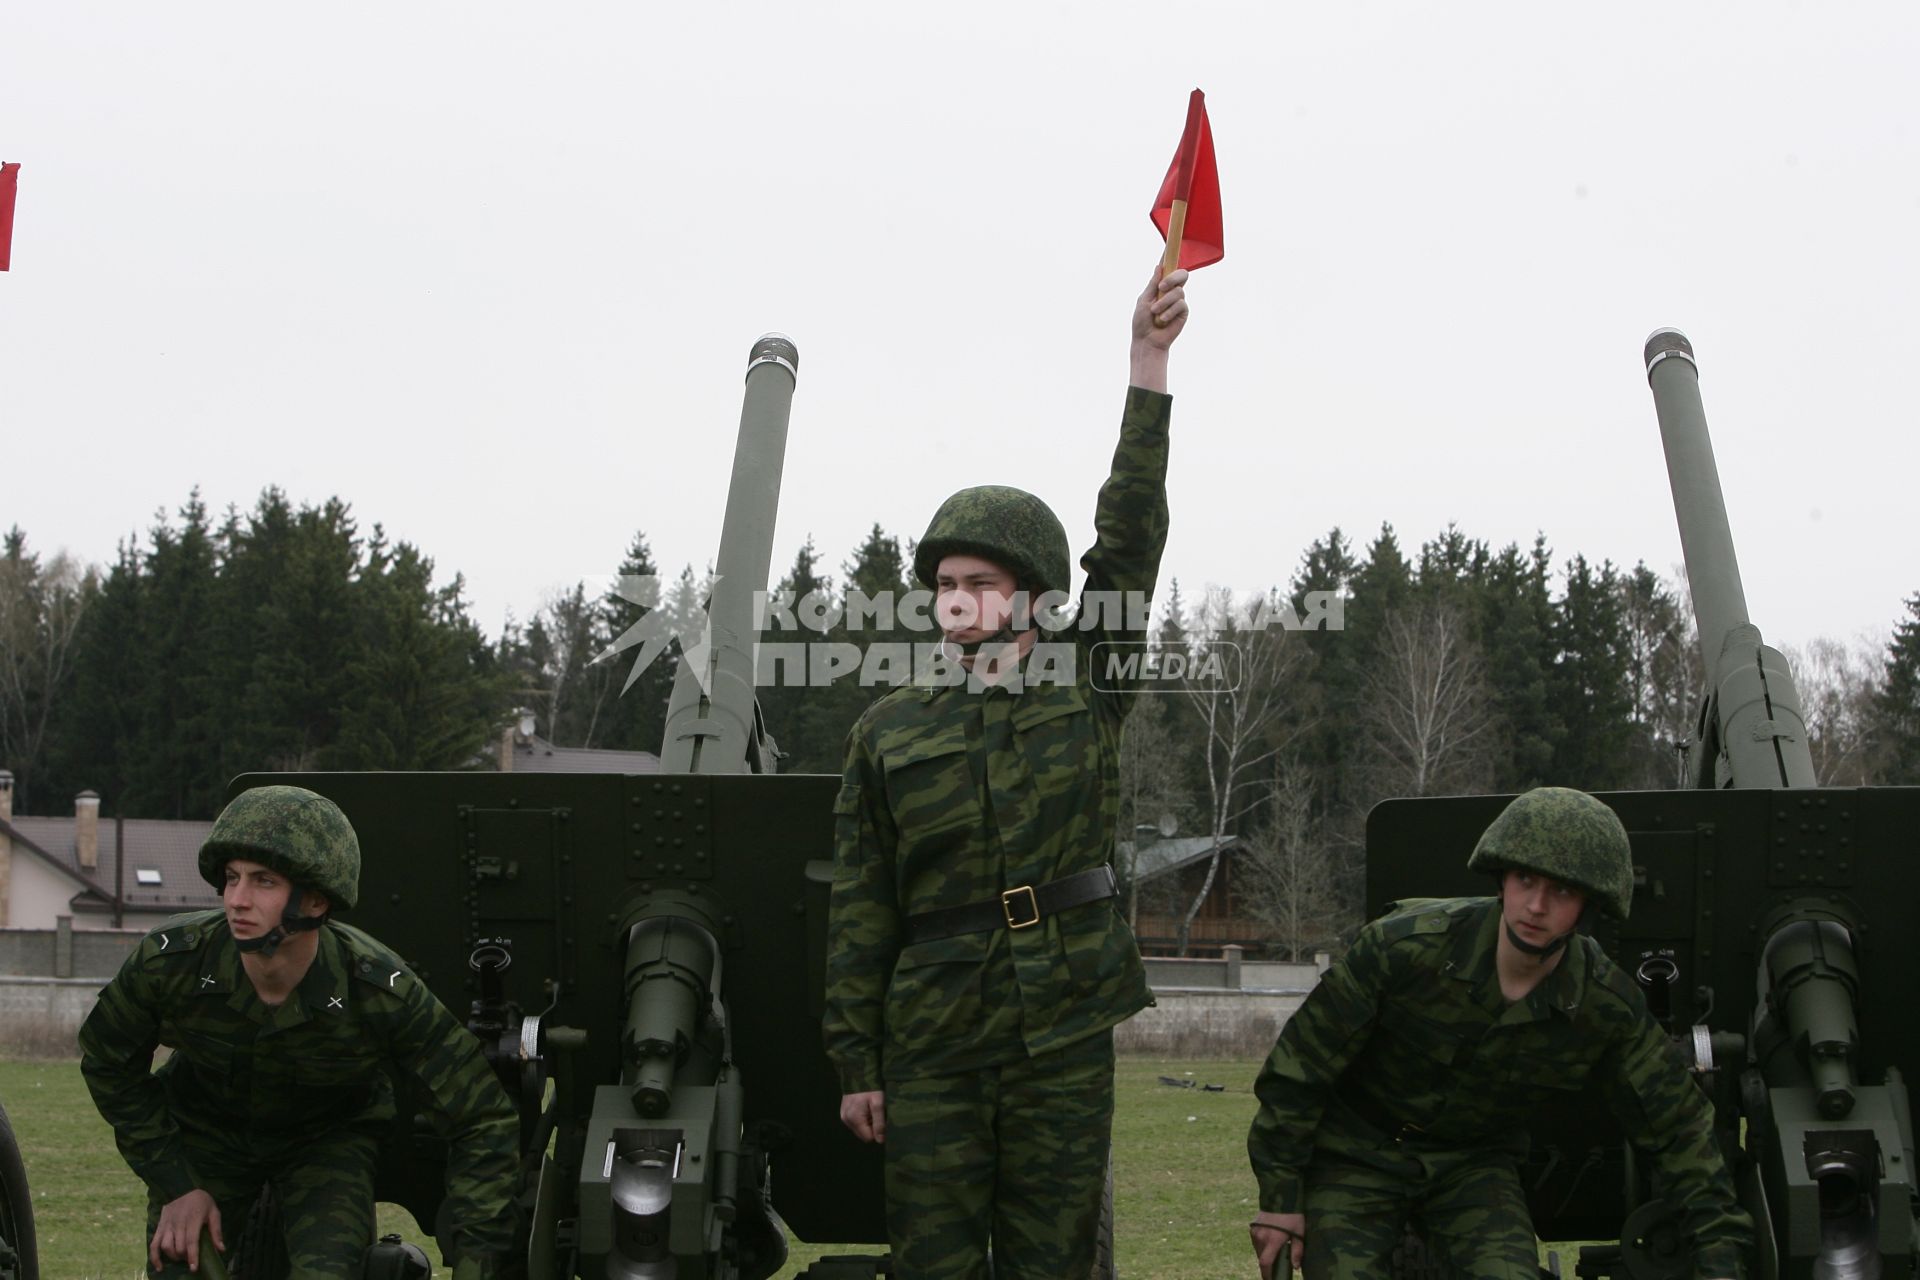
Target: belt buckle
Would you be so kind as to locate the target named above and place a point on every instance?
(1011, 898)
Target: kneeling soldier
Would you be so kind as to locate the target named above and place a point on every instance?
(284, 1025)
(1403, 1087)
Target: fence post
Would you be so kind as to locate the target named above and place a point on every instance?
(63, 946)
(1232, 951)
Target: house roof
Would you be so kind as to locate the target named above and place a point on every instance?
(1169, 855)
(164, 845)
(541, 756)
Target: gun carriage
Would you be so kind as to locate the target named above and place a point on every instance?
(1770, 934)
(643, 956)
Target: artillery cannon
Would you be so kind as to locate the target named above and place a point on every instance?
(644, 958)
(19, 1258)
(1770, 933)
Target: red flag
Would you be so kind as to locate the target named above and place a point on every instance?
(1193, 179)
(9, 183)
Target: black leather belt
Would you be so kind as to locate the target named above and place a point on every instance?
(1019, 908)
(1390, 1126)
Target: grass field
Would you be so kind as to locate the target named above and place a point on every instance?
(1182, 1192)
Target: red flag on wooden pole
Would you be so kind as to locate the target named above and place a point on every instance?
(9, 183)
(1187, 210)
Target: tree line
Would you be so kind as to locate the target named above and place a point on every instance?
(287, 638)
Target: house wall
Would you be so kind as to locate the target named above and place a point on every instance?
(40, 894)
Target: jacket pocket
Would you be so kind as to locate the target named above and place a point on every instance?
(1099, 945)
(203, 1059)
(1423, 1038)
(1537, 1075)
(930, 788)
(935, 993)
(1057, 733)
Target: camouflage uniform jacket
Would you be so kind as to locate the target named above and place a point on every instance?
(288, 1074)
(1412, 1025)
(954, 794)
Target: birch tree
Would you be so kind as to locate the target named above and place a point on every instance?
(1247, 706)
(1426, 711)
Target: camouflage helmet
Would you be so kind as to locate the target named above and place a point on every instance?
(1010, 527)
(298, 833)
(1566, 835)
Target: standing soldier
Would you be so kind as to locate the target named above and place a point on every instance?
(977, 965)
(1403, 1086)
(284, 1024)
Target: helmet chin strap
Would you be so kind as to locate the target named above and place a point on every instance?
(1005, 635)
(291, 921)
(1542, 952)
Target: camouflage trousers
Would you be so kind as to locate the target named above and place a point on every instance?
(1466, 1204)
(1015, 1155)
(325, 1190)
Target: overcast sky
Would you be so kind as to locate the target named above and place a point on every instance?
(490, 273)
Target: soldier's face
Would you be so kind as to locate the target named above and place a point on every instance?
(973, 597)
(1540, 908)
(254, 897)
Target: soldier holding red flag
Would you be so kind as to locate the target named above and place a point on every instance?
(976, 962)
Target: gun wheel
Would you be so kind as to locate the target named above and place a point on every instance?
(19, 1256)
(261, 1251)
(1103, 1268)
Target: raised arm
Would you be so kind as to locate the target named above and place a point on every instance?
(1158, 318)
(1130, 517)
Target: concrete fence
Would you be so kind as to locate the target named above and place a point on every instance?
(41, 1017)
(1213, 1008)
(1229, 972)
(48, 980)
(1217, 1008)
(65, 952)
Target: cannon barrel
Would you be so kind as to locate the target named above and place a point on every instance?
(1706, 537)
(712, 720)
(670, 967)
(680, 1172)
(1753, 731)
(1831, 1155)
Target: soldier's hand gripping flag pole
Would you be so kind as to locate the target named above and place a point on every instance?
(1187, 210)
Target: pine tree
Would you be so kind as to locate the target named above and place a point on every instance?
(636, 715)
(422, 692)
(1588, 687)
(253, 556)
(1516, 613)
(1664, 680)
(877, 570)
(99, 731)
(1898, 704)
(806, 740)
(173, 770)
(42, 607)
(305, 628)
